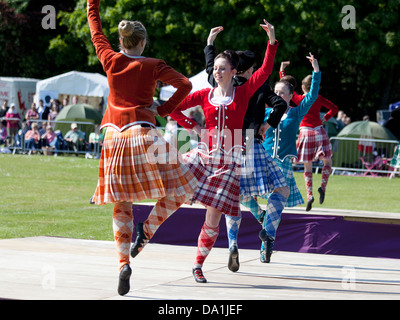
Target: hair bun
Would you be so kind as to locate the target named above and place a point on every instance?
(126, 28)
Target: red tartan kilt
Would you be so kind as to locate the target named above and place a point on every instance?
(219, 180)
(313, 144)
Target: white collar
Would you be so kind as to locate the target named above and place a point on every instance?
(129, 56)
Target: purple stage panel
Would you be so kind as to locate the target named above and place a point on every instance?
(182, 228)
(335, 235)
(305, 233)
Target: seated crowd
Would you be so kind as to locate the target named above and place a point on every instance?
(47, 141)
(36, 135)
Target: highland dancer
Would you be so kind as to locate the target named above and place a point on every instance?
(260, 175)
(313, 142)
(280, 143)
(126, 174)
(216, 159)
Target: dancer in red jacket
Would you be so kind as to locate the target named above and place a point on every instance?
(313, 142)
(218, 156)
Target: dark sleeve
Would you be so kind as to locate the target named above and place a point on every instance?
(210, 54)
(278, 105)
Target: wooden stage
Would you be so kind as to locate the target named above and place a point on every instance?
(41, 268)
(48, 268)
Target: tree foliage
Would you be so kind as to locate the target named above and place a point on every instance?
(360, 66)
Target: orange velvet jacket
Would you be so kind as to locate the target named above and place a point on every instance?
(132, 80)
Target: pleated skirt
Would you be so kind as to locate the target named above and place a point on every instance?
(138, 164)
(313, 144)
(219, 179)
(295, 197)
(260, 174)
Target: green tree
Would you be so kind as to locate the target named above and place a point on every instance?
(25, 46)
(360, 66)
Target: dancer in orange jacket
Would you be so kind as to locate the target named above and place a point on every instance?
(127, 170)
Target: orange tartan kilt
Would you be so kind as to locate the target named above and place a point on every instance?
(138, 164)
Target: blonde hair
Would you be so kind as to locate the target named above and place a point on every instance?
(131, 33)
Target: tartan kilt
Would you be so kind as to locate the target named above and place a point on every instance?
(219, 179)
(260, 174)
(295, 198)
(138, 164)
(313, 144)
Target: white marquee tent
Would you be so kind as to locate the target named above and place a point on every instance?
(19, 91)
(199, 81)
(73, 83)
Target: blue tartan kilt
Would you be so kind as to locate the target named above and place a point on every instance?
(259, 173)
(286, 166)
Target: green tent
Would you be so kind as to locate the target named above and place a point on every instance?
(347, 153)
(366, 128)
(78, 113)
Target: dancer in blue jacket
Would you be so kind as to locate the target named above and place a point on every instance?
(280, 143)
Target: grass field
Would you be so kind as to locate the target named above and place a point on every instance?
(49, 196)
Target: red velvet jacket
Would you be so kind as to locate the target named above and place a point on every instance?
(132, 80)
(224, 122)
(313, 118)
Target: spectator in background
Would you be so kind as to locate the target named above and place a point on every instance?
(42, 128)
(393, 123)
(32, 138)
(347, 120)
(13, 119)
(3, 111)
(31, 114)
(75, 99)
(49, 140)
(57, 103)
(171, 131)
(20, 136)
(95, 142)
(340, 119)
(64, 103)
(3, 134)
(75, 138)
(197, 115)
(53, 114)
(43, 110)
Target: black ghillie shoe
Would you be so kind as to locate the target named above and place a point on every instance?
(233, 262)
(321, 195)
(124, 277)
(198, 275)
(265, 255)
(262, 217)
(309, 203)
(140, 241)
